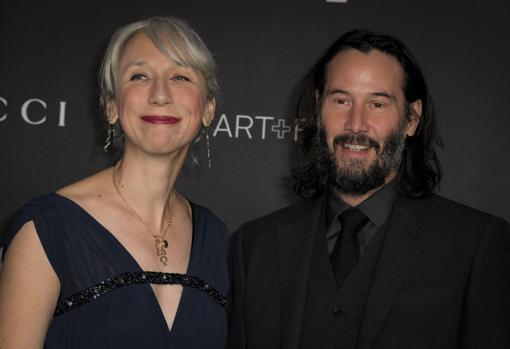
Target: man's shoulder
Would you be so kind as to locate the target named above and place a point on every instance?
(446, 209)
(297, 211)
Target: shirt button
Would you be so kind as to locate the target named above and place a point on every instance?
(336, 310)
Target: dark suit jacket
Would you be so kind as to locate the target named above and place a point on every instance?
(442, 279)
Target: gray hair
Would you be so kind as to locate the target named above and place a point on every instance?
(174, 38)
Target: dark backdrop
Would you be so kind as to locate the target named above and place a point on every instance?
(50, 134)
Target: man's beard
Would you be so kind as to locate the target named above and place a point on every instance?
(352, 176)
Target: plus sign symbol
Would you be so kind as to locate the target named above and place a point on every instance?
(281, 128)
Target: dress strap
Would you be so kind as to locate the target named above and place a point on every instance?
(135, 278)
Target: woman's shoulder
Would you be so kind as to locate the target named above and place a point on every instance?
(209, 228)
(207, 216)
(38, 204)
(37, 211)
(51, 210)
(38, 207)
(88, 188)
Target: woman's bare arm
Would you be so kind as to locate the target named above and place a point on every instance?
(29, 290)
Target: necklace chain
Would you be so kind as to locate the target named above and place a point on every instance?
(159, 239)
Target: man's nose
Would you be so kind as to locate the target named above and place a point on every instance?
(356, 121)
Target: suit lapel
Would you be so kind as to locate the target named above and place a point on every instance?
(295, 246)
(405, 237)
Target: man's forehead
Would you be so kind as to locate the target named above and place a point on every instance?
(375, 69)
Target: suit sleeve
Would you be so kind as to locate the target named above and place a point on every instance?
(486, 318)
(237, 335)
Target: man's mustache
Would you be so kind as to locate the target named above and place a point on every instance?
(358, 139)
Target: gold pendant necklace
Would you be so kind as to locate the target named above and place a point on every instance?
(159, 240)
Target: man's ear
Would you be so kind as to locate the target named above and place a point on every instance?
(414, 117)
(208, 114)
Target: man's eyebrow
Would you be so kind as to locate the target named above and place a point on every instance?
(375, 94)
(336, 90)
(384, 94)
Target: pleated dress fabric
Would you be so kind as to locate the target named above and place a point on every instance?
(83, 253)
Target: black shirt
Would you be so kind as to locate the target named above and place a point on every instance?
(377, 208)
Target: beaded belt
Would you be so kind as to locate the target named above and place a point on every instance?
(135, 278)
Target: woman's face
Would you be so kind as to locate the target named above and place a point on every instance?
(160, 104)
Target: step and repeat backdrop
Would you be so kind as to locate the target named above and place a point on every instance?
(51, 128)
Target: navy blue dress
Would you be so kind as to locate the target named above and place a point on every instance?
(84, 253)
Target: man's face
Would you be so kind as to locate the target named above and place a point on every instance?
(363, 120)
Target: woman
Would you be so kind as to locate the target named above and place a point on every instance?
(102, 263)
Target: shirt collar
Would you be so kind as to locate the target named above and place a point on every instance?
(377, 207)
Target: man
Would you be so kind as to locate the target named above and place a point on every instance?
(371, 258)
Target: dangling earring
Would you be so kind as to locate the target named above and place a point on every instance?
(110, 135)
(205, 130)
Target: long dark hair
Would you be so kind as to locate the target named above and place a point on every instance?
(420, 169)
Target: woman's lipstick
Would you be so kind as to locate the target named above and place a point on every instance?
(160, 119)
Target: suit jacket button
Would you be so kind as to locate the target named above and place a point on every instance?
(336, 310)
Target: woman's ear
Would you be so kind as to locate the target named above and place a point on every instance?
(208, 115)
(112, 113)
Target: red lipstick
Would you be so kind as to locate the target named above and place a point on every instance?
(160, 119)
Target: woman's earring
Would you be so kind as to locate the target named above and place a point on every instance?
(110, 135)
(208, 145)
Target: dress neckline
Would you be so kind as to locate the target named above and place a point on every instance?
(134, 263)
